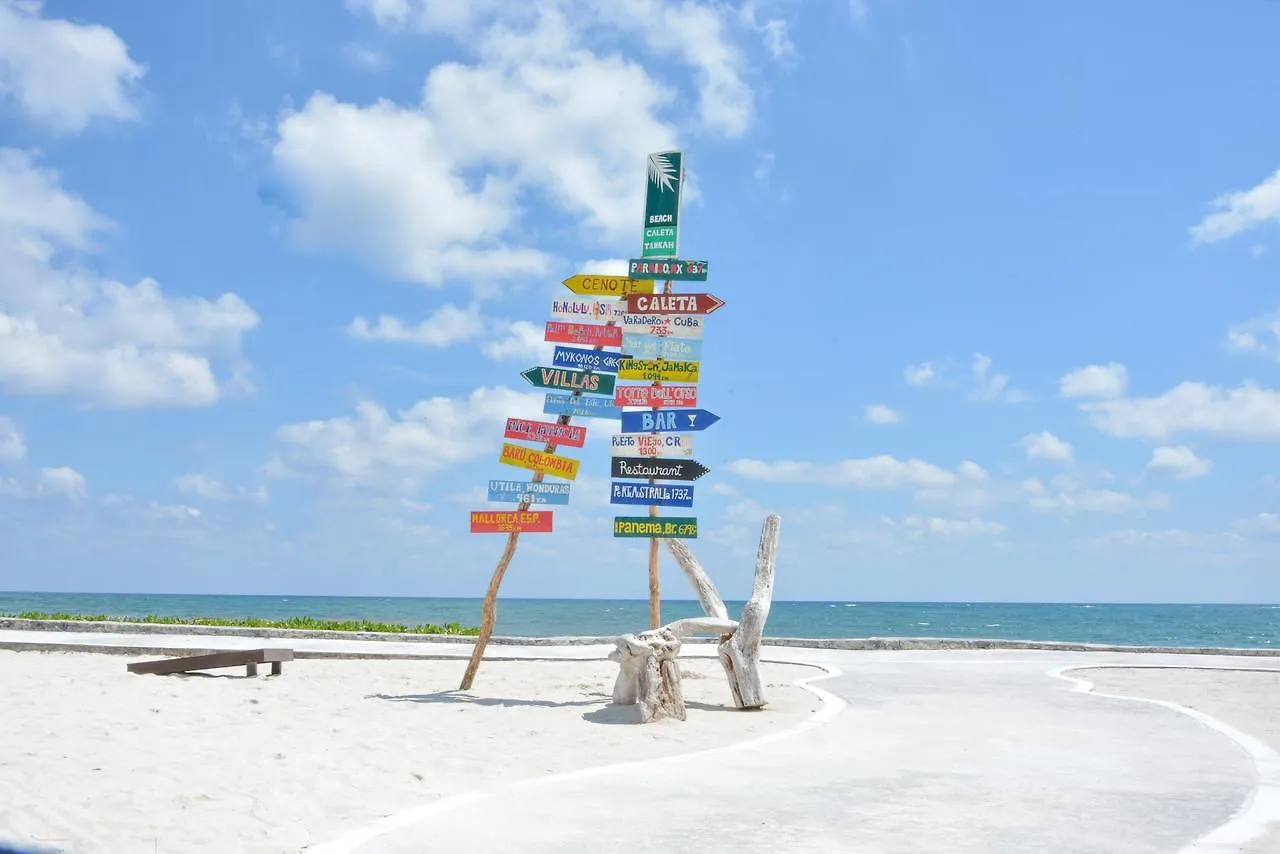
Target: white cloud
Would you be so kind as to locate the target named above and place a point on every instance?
(363, 57)
(446, 326)
(879, 413)
(1070, 497)
(1240, 211)
(1262, 523)
(774, 32)
(882, 472)
(12, 446)
(1245, 412)
(1133, 538)
(1180, 462)
(520, 340)
(1046, 446)
(988, 387)
(63, 330)
(1258, 251)
(920, 375)
(1259, 335)
(935, 526)
(375, 448)
(721, 488)
(63, 74)
(1096, 381)
(213, 490)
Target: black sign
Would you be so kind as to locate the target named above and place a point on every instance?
(650, 468)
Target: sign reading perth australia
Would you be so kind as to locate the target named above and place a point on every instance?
(662, 205)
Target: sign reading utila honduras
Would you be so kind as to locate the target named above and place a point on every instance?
(662, 205)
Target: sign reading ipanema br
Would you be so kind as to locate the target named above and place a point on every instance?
(662, 205)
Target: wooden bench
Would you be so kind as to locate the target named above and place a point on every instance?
(249, 658)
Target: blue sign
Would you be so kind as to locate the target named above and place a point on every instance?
(517, 492)
(651, 494)
(668, 421)
(582, 406)
(588, 360)
(639, 346)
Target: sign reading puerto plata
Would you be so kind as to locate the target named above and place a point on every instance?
(527, 491)
(583, 381)
(673, 527)
(651, 347)
(653, 445)
(639, 468)
(658, 370)
(674, 325)
(671, 271)
(662, 205)
(607, 286)
(673, 303)
(509, 521)
(528, 458)
(589, 360)
(651, 494)
(592, 334)
(581, 406)
(668, 421)
(588, 310)
(546, 432)
(656, 396)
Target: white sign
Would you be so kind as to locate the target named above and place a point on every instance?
(588, 310)
(666, 325)
(653, 445)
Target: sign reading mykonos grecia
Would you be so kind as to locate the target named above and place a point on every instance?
(662, 205)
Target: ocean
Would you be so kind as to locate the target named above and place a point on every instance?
(1163, 625)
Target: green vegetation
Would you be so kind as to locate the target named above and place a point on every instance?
(309, 623)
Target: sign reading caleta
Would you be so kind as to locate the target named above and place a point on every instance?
(662, 205)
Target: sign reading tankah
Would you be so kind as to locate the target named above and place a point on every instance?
(662, 205)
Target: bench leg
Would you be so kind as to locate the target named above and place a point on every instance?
(277, 667)
(251, 669)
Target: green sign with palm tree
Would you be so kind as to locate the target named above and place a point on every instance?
(662, 205)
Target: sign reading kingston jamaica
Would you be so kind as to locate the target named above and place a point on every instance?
(527, 491)
(651, 494)
(662, 205)
(658, 370)
(668, 421)
(676, 270)
(673, 527)
(655, 347)
(592, 334)
(563, 378)
(673, 303)
(674, 325)
(528, 458)
(581, 406)
(546, 432)
(639, 468)
(589, 360)
(588, 310)
(656, 396)
(653, 445)
(607, 286)
(509, 521)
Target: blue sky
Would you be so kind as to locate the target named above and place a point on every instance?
(1000, 282)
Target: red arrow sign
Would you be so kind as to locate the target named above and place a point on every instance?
(591, 334)
(547, 432)
(656, 396)
(673, 303)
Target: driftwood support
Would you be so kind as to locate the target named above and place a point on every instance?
(648, 669)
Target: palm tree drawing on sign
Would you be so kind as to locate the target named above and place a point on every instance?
(662, 172)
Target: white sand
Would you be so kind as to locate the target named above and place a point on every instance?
(98, 760)
(1248, 701)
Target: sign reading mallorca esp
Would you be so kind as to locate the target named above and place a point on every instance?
(509, 521)
(662, 205)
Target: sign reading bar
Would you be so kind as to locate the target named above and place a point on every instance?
(508, 521)
(672, 527)
(528, 458)
(673, 303)
(651, 445)
(527, 491)
(591, 334)
(651, 494)
(655, 347)
(588, 310)
(658, 370)
(662, 205)
(668, 421)
(581, 406)
(656, 396)
(546, 432)
(639, 468)
(599, 361)
(607, 286)
(563, 378)
(673, 271)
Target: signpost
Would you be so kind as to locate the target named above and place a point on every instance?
(660, 495)
(539, 461)
(583, 382)
(658, 370)
(662, 205)
(668, 421)
(653, 445)
(510, 521)
(607, 286)
(588, 310)
(583, 333)
(673, 325)
(580, 406)
(528, 492)
(673, 303)
(647, 469)
(656, 396)
(673, 527)
(597, 361)
(675, 270)
(546, 432)
(655, 347)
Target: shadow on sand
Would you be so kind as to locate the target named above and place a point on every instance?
(606, 712)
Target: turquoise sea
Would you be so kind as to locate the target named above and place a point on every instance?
(1169, 625)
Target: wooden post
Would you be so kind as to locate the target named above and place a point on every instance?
(489, 615)
(655, 577)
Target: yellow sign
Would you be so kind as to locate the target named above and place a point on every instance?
(607, 286)
(528, 458)
(658, 370)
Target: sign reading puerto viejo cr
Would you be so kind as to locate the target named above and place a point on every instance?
(653, 445)
(547, 432)
(607, 286)
(675, 270)
(673, 303)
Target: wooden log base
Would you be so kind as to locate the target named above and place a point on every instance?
(248, 658)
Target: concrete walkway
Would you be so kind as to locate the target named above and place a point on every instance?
(952, 752)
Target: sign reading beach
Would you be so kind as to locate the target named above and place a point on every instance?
(662, 205)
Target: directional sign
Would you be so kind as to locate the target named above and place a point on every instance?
(520, 492)
(673, 303)
(671, 527)
(528, 458)
(593, 334)
(665, 325)
(608, 286)
(581, 406)
(546, 432)
(651, 494)
(658, 370)
(653, 347)
(507, 521)
(599, 361)
(662, 205)
(656, 396)
(668, 421)
(588, 310)
(583, 381)
(653, 445)
(674, 270)
(639, 468)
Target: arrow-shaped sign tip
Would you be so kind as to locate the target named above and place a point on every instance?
(715, 301)
(529, 375)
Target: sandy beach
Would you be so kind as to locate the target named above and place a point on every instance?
(99, 761)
